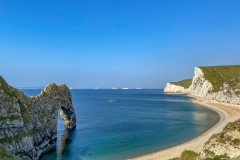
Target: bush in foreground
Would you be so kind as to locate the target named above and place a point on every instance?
(189, 155)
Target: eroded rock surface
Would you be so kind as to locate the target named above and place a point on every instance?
(201, 87)
(225, 143)
(28, 126)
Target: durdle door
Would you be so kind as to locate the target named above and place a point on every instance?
(28, 126)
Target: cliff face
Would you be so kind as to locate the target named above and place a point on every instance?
(227, 92)
(172, 88)
(201, 87)
(183, 86)
(28, 126)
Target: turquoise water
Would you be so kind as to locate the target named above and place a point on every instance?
(137, 123)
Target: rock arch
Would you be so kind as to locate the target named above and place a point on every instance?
(62, 96)
(28, 125)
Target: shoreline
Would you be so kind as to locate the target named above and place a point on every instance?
(227, 113)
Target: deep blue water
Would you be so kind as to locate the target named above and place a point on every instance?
(137, 123)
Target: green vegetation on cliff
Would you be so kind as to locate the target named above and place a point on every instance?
(218, 75)
(24, 112)
(5, 155)
(224, 137)
(186, 83)
(4, 86)
(28, 122)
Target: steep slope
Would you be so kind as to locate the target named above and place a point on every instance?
(28, 126)
(217, 83)
(212, 83)
(225, 143)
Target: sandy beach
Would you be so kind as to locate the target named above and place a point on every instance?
(228, 113)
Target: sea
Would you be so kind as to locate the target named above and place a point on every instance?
(138, 122)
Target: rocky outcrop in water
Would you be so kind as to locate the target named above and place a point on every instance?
(28, 125)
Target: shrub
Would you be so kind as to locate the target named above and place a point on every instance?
(189, 155)
(236, 141)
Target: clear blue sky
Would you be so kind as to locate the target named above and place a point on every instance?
(110, 43)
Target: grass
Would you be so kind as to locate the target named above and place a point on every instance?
(189, 155)
(24, 112)
(4, 86)
(186, 83)
(236, 141)
(217, 75)
(5, 155)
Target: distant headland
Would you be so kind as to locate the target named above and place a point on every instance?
(213, 83)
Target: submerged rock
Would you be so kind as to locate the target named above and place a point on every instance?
(28, 126)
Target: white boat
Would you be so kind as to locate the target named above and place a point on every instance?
(70, 88)
(124, 88)
(114, 87)
(138, 88)
(96, 87)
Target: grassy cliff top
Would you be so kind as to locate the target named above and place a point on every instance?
(217, 75)
(186, 83)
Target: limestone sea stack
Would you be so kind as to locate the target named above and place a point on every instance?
(28, 125)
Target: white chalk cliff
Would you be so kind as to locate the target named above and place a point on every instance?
(202, 88)
(172, 88)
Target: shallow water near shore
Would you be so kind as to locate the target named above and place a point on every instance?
(138, 122)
